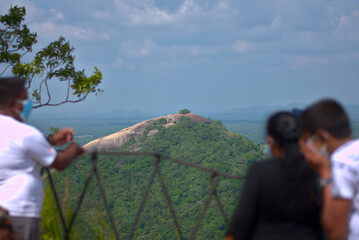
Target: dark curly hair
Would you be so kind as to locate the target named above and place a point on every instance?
(10, 87)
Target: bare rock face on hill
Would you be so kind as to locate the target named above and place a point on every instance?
(136, 131)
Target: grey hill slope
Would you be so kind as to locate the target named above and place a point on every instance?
(136, 131)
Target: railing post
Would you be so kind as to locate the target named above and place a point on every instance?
(94, 156)
(214, 189)
(57, 202)
(168, 199)
(94, 165)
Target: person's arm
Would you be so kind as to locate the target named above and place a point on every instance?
(337, 221)
(65, 158)
(62, 137)
(335, 211)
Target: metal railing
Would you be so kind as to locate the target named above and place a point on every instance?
(156, 171)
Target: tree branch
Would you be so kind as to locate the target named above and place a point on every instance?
(48, 92)
(68, 89)
(55, 61)
(5, 69)
(29, 81)
(11, 41)
(40, 88)
(57, 104)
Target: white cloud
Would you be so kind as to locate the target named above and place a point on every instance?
(57, 15)
(148, 48)
(348, 26)
(271, 29)
(277, 23)
(52, 29)
(52, 23)
(303, 61)
(137, 12)
(121, 64)
(349, 57)
(343, 17)
(195, 50)
(241, 46)
(205, 27)
(102, 14)
(224, 6)
(189, 7)
(134, 49)
(118, 63)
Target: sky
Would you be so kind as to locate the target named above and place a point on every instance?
(205, 55)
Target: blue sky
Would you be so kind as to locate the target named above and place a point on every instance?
(208, 56)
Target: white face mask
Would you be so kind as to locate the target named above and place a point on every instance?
(266, 149)
(323, 150)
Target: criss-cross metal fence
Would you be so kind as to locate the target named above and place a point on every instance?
(156, 171)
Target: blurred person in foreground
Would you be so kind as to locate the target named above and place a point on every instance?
(328, 147)
(22, 147)
(279, 200)
(6, 232)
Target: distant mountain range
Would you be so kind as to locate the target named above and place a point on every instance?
(254, 113)
(261, 113)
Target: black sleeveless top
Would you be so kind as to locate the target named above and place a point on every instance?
(275, 206)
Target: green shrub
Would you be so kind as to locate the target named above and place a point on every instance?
(185, 111)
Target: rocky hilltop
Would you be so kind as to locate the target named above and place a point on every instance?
(189, 137)
(136, 131)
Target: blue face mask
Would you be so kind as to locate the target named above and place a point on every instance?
(25, 114)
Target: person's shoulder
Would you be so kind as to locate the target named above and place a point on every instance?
(263, 170)
(265, 165)
(348, 153)
(13, 126)
(266, 162)
(28, 129)
(6, 119)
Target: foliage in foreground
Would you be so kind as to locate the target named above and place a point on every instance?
(54, 62)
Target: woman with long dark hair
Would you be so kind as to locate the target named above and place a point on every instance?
(279, 198)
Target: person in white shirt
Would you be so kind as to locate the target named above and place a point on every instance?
(328, 147)
(22, 147)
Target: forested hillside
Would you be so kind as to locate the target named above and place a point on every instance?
(125, 179)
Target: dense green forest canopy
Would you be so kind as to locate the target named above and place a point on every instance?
(125, 178)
